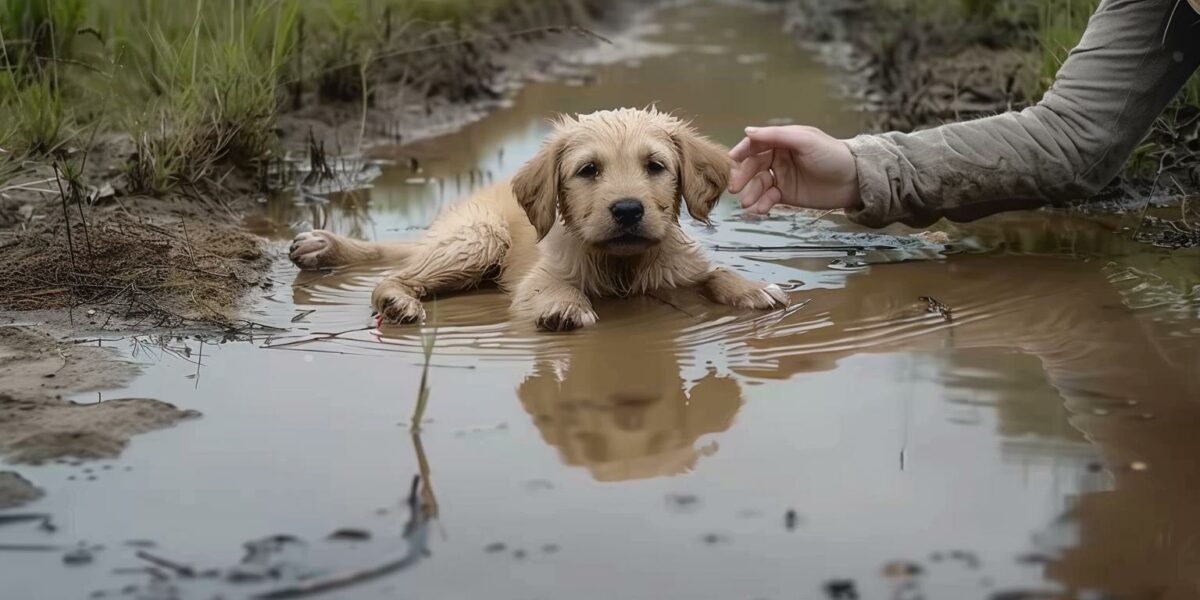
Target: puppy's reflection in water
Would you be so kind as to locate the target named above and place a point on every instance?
(619, 406)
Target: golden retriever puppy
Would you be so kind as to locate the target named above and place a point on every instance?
(594, 213)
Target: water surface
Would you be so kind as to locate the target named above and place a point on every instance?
(1043, 438)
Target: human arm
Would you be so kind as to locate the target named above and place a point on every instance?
(1108, 93)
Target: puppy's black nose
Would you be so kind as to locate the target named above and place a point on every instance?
(627, 212)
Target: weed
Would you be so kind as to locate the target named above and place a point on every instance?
(428, 341)
(37, 33)
(39, 123)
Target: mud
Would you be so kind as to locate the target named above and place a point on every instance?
(37, 424)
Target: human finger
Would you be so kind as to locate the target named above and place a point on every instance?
(792, 137)
(769, 198)
(752, 144)
(755, 188)
(744, 171)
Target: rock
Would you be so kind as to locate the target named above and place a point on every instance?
(77, 557)
(16, 490)
(349, 535)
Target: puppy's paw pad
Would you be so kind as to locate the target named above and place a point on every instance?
(398, 309)
(762, 298)
(312, 249)
(566, 318)
(776, 296)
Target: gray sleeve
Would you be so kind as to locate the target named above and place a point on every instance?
(1106, 96)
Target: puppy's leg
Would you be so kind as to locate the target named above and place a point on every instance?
(456, 254)
(552, 303)
(320, 249)
(724, 286)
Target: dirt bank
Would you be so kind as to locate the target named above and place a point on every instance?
(443, 79)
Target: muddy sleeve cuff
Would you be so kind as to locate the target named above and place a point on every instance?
(886, 183)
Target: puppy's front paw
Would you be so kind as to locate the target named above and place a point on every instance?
(395, 304)
(565, 317)
(314, 250)
(752, 295)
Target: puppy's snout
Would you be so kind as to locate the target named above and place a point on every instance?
(627, 212)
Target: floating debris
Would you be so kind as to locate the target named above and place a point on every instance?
(714, 539)
(968, 558)
(78, 557)
(791, 519)
(902, 569)
(841, 589)
(935, 306)
(495, 547)
(349, 535)
(683, 503)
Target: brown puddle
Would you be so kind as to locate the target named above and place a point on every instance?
(1040, 439)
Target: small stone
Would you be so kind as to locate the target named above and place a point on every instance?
(1138, 465)
(495, 547)
(902, 569)
(77, 557)
(841, 589)
(713, 539)
(350, 535)
(791, 519)
(1033, 558)
(550, 548)
(682, 503)
(519, 554)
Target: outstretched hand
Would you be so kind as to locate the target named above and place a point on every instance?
(796, 165)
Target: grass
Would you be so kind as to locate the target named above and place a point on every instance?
(199, 84)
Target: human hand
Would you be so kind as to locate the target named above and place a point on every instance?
(796, 165)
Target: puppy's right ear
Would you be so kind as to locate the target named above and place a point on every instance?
(536, 186)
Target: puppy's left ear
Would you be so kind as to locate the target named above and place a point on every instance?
(704, 169)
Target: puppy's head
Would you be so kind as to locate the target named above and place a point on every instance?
(615, 178)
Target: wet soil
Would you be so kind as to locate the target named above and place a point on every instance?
(1038, 443)
(38, 424)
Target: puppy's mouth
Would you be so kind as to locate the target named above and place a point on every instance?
(626, 243)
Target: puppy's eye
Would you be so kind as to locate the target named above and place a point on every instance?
(588, 171)
(655, 167)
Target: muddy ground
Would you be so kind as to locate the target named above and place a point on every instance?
(37, 424)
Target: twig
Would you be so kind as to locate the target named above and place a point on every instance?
(804, 248)
(318, 337)
(416, 532)
(180, 569)
(819, 217)
(66, 216)
(188, 243)
(29, 548)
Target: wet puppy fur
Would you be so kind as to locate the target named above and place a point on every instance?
(595, 213)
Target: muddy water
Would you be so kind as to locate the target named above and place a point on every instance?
(1041, 439)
